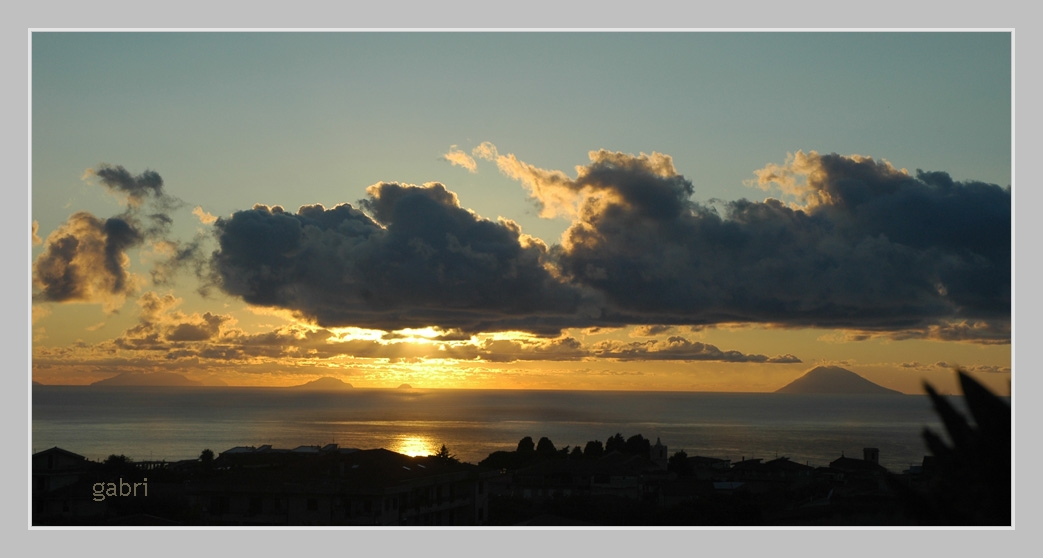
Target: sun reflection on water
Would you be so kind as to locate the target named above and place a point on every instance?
(414, 445)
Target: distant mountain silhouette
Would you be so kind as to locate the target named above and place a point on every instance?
(149, 379)
(836, 381)
(405, 386)
(35, 383)
(325, 382)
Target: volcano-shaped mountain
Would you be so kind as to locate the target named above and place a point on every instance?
(834, 380)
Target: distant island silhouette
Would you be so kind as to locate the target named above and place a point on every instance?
(148, 379)
(325, 383)
(834, 380)
(405, 386)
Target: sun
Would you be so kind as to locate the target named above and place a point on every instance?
(414, 445)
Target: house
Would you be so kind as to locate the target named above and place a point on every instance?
(61, 486)
(334, 487)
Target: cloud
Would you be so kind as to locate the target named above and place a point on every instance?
(161, 327)
(85, 260)
(645, 181)
(486, 150)
(461, 159)
(680, 348)
(176, 255)
(988, 332)
(164, 334)
(983, 368)
(650, 330)
(982, 332)
(512, 350)
(875, 248)
(204, 217)
(980, 368)
(420, 260)
(36, 240)
(136, 188)
(39, 312)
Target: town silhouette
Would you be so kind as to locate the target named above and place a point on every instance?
(623, 481)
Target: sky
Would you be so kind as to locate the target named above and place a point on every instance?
(703, 211)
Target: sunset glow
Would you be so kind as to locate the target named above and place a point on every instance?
(414, 446)
(658, 222)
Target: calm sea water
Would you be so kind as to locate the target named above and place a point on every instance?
(178, 423)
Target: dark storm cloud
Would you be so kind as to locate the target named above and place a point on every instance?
(871, 248)
(874, 247)
(136, 188)
(421, 260)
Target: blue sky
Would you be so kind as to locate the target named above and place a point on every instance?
(295, 118)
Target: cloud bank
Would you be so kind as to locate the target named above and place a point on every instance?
(875, 248)
(163, 335)
(420, 260)
(866, 247)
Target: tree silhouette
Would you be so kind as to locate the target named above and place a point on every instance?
(970, 483)
(207, 459)
(118, 462)
(593, 449)
(545, 447)
(638, 445)
(444, 455)
(615, 443)
(526, 445)
(678, 464)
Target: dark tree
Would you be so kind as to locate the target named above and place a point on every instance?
(970, 477)
(576, 453)
(118, 462)
(501, 460)
(593, 449)
(545, 447)
(678, 464)
(526, 445)
(638, 445)
(444, 455)
(207, 459)
(615, 443)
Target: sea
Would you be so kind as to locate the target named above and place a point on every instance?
(175, 423)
